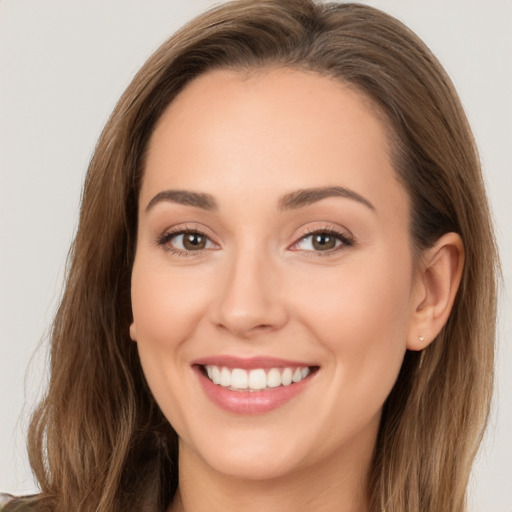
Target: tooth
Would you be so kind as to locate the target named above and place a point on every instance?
(273, 378)
(257, 379)
(239, 379)
(215, 375)
(225, 378)
(286, 377)
(297, 375)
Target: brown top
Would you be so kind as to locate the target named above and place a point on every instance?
(4, 499)
(18, 504)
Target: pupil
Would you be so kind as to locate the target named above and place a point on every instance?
(323, 242)
(194, 241)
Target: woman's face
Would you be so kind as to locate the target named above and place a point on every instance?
(273, 246)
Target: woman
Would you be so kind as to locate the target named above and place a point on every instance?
(281, 293)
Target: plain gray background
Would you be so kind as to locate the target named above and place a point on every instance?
(62, 67)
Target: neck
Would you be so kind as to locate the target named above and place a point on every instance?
(334, 484)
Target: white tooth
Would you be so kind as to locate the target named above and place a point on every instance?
(257, 379)
(297, 375)
(215, 374)
(304, 372)
(273, 378)
(286, 377)
(225, 378)
(209, 371)
(239, 379)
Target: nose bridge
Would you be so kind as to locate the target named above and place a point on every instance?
(250, 298)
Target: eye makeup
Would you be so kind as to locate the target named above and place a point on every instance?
(189, 241)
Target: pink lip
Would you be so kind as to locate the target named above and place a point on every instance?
(250, 402)
(249, 363)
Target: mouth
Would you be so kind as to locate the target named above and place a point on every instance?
(255, 385)
(257, 379)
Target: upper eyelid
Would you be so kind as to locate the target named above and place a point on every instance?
(163, 240)
(306, 232)
(171, 233)
(338, 230)
(300, 233)
(162, 237)
(345, 239)
(187, 228)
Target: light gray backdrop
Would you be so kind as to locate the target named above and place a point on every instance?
(63, 65)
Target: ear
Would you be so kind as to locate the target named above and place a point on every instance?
(436, 285)
(133, 331)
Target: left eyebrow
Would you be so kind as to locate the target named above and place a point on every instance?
(185, 197)
(307, 196)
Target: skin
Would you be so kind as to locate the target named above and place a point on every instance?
(259, 286)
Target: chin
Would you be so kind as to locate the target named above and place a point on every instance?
(246, 456)
(262, 468)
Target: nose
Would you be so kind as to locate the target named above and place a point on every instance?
(250, 300)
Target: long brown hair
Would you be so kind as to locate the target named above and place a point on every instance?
(98, 441)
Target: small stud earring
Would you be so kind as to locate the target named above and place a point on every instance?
(421, 338)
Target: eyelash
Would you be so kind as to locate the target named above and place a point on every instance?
(164, 239)
(346, 241)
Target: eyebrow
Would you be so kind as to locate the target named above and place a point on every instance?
(291, 201)
(307, 196)
(185, 197)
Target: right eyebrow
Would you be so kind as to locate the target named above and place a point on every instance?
(185, 197)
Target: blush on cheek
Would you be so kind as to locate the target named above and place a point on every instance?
(166, 307)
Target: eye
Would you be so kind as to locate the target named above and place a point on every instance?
(185, 241)
(323, 240)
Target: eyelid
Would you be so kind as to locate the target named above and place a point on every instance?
(343, 235)
(163, 238)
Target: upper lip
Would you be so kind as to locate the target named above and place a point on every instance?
(249, 363)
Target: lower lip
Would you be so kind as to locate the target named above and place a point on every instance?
(250, 402)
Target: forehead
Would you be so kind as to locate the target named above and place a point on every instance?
(271, 131)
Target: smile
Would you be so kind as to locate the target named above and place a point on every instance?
(259, 379)
(255, 385)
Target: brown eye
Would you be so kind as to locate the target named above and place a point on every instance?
(194, 241)
(327, 241)
(323, 241)
(184, 242)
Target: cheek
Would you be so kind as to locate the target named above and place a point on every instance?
(360, 313)
(355, 302)
(166, 311)
(166, 306)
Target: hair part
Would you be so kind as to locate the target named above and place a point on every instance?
(98, 440)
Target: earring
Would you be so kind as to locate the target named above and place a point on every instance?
(421, 338)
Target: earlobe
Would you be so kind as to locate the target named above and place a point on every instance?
(133, 332)
(438, 282)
